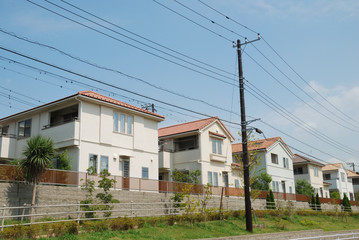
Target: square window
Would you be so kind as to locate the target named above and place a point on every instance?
(216, 145)
(145, 172)
(24, 128)
(274, 158)
(4, 130)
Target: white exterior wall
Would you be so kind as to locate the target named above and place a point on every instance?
(337, 183)
(93, 133)
(277, 171)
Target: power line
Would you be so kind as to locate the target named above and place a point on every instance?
(277, 53)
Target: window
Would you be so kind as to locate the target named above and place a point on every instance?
(145, 172)
(210, 178)
(275, 185)
(298, 170)
(115, 122)
(326, 176)
(24, 128)
(274, 158)
(93, 162)
(104, 163)
(4, 130)
(285, 163)
(186, 143)
(316, 173)
(290, 189)
(215, 176)
(122, 123)
(236, 183)
(216, 145)
(342, 176)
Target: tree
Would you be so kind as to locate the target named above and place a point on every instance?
(64, 161)
(186, 177)
(262, 182)
(346, 204)
(270, 202)
(38, 153)
(356, 195)
(312, 203)
(335, 195)
(317, 203)
(303, 187)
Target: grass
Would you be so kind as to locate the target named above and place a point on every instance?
(229, 227)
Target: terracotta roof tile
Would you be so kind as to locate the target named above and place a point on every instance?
(117, 102)
(301, 159)
(189, 127)
(352, 174)
(255, 145)
(331, 167)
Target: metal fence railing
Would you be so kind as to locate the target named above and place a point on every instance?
(9, 173)
(11, 216)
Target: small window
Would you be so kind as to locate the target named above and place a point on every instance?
(342, 175)
(129, 125)
(4, 130)
(274, 158)
(236, 183)
(326, 176)
(93, 162)
(215, 176)
(24, 128)
(145, 172)
(115, 122)
(290, 189)
(273, 186)
(210, 178)
(216, 145)
(285, 163)
(298, 170)
(316, 173)
(123, 123)
(104, 163)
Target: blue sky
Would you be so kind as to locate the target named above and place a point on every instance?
(316, 38)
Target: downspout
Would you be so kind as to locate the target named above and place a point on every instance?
(80, 139)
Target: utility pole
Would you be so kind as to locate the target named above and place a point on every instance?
(247, 194)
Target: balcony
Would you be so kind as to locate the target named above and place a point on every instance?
(7, 146)
(164, 159)
(65, 134)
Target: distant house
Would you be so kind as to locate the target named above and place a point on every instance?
(276, 160)
(96, 130)
(336, 174)
(311, 171)
(204, 144)
(355, 179)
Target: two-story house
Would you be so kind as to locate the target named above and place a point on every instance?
(275, 159)
(355, 179)
(311, 171)
(204, 144)
(336, 174)
(96, 130)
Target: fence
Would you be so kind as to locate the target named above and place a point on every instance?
(353, 235)
(9, 173)
(11, 216)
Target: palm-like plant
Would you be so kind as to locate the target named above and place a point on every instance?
(38, 153)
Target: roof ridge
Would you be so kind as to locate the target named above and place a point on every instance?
(199, 120)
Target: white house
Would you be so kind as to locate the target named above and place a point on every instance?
(276, 160)
(336, 174)
(311, 171)
(355, 179)
(204, 144)
(96, 130)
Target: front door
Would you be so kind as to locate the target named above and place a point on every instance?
(126, 175)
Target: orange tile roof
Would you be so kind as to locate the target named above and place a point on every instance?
(98, 96)
(352, 174)
(256, 145)
(331, 167)
(301, 159)
(90, 94)
(189, 127)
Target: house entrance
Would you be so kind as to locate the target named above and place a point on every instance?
(126, 175)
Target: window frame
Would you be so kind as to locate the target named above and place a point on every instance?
(4, 130)
(276, 158)
(27, 126)
(123, 123)
(210, 178)
(101, 158)
(215, 179)
(316, 172)
(145, 170)
(216, 145)
(96, 162)
(342, 177)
